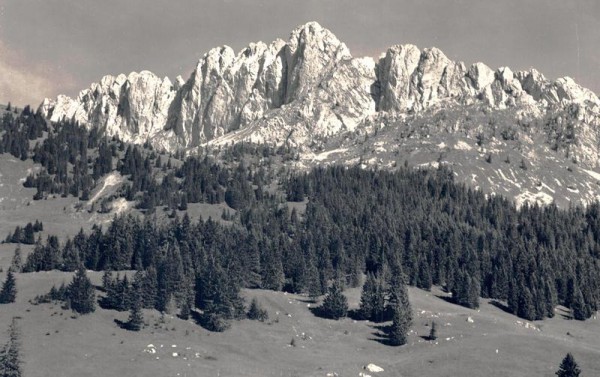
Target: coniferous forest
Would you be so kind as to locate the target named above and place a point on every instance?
(416, 223)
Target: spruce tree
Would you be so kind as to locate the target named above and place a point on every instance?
(256, 312)
(398, 331)
(433, 331)
(17, 261)
(312, 280)
(136, 317)
(186, 310)
(578, 306)
(149, 288)
(372, 299)
(8, 293)
(568, 367)
(81, 293)
(335, 304)
(401, 310)
(10, 359)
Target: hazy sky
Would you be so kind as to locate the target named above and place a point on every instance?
(49, 47)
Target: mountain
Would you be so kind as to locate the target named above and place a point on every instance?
(512, 133)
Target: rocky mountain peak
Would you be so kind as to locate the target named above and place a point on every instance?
(309, 88)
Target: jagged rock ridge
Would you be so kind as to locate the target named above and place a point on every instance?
(310, 93)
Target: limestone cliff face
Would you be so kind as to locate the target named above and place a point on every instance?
(134, 107)
(310, 88)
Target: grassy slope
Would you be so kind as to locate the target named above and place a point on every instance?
(56, 344)
(64, 217)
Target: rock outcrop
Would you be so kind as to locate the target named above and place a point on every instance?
(134, 107)
(303, 91)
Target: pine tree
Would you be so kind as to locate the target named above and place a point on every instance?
(568, 367)
(398, 331)
(256, 312)
(578, 306)
(401, 310)
(433, 331)
(372, 299)
(136, 317)
(367, 297)
(8, 293)
(465, 290)
(10, 359)
(81, 293)
(17, 261)
(335, 304)
(149, 288)
(312, 281)
(28, 235)
(186, 310)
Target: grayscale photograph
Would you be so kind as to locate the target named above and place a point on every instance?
(309, 188)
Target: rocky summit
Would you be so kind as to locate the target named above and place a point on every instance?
(512, 133)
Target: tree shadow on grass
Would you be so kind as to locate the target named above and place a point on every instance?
(209, 322)
(500, 306)
(122, 324)
(356, 315)
(317, 311)
(306, 300)
(447, 299)
(381, 335)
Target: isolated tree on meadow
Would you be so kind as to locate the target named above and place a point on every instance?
(568, 367)
(433, 331)
(8, 293)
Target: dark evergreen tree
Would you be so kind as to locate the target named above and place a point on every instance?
(335, 304)
(398, 331)
(8, 294)
(70, 257)
(433, 331)
(136, 316)
(568, 367)
(401, 310)
(149, 288)
(313, 282)
(186, 310)
(372, 299)
(466, 289)
(217, 295)
(579, 309)
(256, 312)
(28, 235)
(81, 293)
(16, 264)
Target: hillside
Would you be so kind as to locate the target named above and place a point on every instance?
(494, 344)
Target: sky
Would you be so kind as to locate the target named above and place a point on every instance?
(51, 47)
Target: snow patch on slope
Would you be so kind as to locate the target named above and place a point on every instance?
(541, 198)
